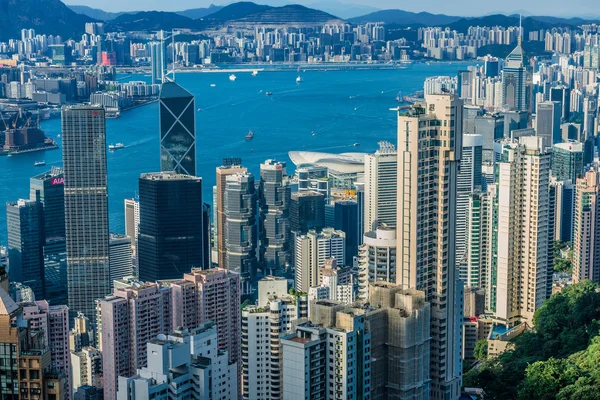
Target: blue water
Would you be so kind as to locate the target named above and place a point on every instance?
(341, 107)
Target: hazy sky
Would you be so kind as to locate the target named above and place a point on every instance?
(450, 7)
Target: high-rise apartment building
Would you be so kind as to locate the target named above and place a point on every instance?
(376, 350)
(274, 204)
(377, 259)
(129, 318)
(25, 225)
(561, 217)
(380, 186)
(429, 153)
(222, 173)
(474, 266)
(520, 267)
(26, 358)
(262, 327)
(172, 237)
(467, 182)
(210, 295)
(241, 229)
(311, 252)
(514, 81)
(567, 161)
(177, 119)
(586, 228)
(53, 321)
(186, 364)
(86, 206)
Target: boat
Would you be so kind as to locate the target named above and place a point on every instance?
(255, 72)
(313, 133)
(298, 79)
(356, 144)
(39, 163)
(232, 77)
(199, 109)
(399, 97)
(213, 85)
(250, 135)
(268, 93)
(116, 146)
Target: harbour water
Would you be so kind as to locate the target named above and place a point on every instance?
(341, 107)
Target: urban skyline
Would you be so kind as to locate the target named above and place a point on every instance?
(404, 272)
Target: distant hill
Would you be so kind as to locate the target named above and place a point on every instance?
(341, 9)
(237, 10)
(529, 23)
(196, 13)
(401, 17)
(293, 13)
(96, 13)
(150, 21)
(51, 17)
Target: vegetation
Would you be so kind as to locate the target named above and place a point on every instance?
(481, 350)
(563, 264)
(559, 359)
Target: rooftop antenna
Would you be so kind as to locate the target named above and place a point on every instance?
(520, 30)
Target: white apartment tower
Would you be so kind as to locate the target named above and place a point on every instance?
(380, 186)
(262, 327)
(311, 252)
(521, 265)
(429, 153)
(586, 228)
(376, 259)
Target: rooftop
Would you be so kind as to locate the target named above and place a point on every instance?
(171, 90)
(168, 176)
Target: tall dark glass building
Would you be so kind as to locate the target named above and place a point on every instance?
(25, 224)
(48, 189)
(172, 233)
(307, 211)
(274, 203)
(346, 220)
(86, 206)
(177, 118)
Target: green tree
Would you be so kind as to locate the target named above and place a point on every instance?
(544, 379)
(481, 350)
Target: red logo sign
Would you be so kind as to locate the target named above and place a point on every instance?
(95, 113)
(58, 181)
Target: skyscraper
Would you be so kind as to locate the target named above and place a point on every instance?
(567, 161)
(274, 204)
(430, 146)
(177, 120)
(467, 182)
(120, 259)
(346, 220)
(25, 224)
(307, 211)
(562, 94)
(514, 77)
(86, 206)
(158, 55)
(222, 173)
(547, 121)
(311, 252)
(171, 239)
(520, 269)
(586, 228)
(241, 230)
(380, 186)
(377, 259)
